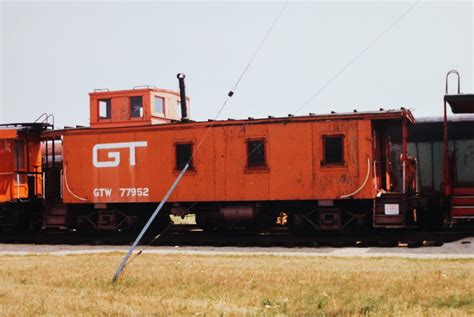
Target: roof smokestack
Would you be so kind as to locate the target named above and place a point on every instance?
(182, 93)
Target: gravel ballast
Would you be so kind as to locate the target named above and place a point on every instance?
(462, 249)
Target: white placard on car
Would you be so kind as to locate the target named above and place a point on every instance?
(392, 209)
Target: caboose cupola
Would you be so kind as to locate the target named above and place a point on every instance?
(138, 106)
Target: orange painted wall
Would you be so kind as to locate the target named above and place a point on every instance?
(14, 187)
(34, 152)
(294, 154)
(6, 169)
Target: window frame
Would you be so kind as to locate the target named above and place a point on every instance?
(108, 107)
(191, 167)
(142, 107)
(265, 165)
(343, 154)
(163, 106)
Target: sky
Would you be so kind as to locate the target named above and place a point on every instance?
(53, 54)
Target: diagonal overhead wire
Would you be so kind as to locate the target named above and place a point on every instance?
(357, 56)
(259, 47)
(231, 93)
(125, 260)
(242, 74)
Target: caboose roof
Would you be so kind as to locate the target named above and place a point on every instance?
(10, 130)
(454, 118)
(366, 115)
(128, 92)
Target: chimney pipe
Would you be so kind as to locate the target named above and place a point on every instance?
(182, 93)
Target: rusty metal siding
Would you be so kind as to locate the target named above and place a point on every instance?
(13, 179)
(294, 155)
(6, 170)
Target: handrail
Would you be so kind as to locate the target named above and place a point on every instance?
(18, 185)
(404, 177)
(446, 164)
(44, 118)
(144, 86)
(417, 181)
(101, 89)
(52, 117)
(453, 71)
(44, 114)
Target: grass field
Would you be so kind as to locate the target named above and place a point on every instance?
(234, 285)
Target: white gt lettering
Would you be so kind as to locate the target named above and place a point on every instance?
(115, 156)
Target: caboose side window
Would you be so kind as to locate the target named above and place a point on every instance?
(333, 150)
(105, 110)
(184, 152)
(159, 105)
(136, 107)
(256, 153)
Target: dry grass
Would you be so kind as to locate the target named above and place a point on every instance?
(235, 285)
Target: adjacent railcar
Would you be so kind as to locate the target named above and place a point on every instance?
(21, 178)
(425, 142)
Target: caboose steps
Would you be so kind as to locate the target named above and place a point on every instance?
(55, 215)
(462, 202)
(462, 211)
(389, 210)
(463, 191)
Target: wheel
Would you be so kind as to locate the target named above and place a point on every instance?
(204, 222)
(414, 244)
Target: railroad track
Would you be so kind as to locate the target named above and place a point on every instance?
(191, 235)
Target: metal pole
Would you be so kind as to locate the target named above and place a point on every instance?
(147, 225)
(446, 159)
(446, 181)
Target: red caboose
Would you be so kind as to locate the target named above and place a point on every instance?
(324, 171)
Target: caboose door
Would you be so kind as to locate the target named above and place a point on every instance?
(19, 157)
(381, 157)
